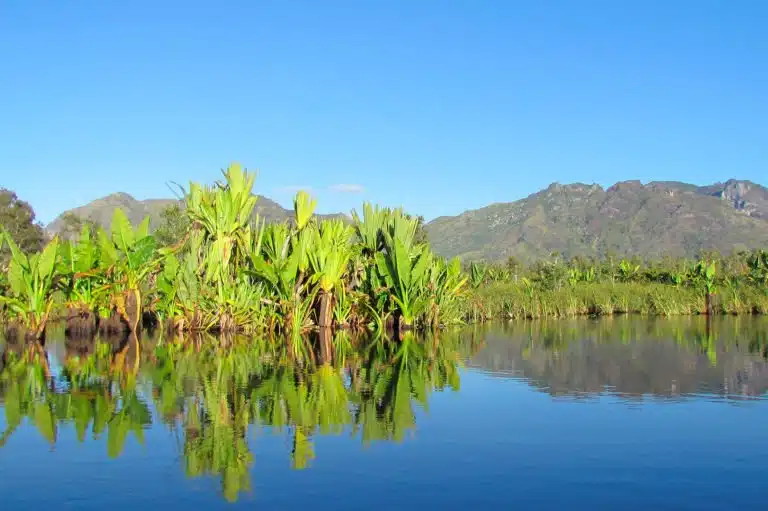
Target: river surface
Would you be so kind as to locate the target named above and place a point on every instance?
(617, 413)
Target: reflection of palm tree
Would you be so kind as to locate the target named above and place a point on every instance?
(90, 397)
(215, 442)
(24, 388)
(209, 392)
(204, 389)
(396, 376)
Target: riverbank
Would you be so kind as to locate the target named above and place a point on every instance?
(510, 300)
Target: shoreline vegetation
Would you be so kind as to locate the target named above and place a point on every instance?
(225, 270)
(214, 266)
(555, 288)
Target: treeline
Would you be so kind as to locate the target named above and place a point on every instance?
(230, 271)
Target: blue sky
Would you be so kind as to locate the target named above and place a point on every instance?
(439, 106)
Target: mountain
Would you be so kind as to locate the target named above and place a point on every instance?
(100, 211)
(629, 218)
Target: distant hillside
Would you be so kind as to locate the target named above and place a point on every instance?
(628, 218)
(100, 211)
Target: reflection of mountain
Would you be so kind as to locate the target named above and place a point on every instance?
(632, 356)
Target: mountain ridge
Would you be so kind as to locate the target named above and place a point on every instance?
(100, 211)
(628, 218)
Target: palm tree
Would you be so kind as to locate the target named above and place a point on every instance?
(127, 258)
(31, 280)
(329, 258)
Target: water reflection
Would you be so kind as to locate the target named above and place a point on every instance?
(632, 357)
(210, 392)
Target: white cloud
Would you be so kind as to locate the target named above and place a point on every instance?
(347, 188)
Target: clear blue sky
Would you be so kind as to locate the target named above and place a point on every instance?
(439, 106)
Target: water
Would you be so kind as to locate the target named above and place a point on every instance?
(624, 413)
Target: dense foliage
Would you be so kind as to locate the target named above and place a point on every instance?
(17, 218)
(214, 265)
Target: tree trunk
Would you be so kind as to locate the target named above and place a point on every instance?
(435, 318)
(133, 309)
(325, 313)
(326, 345)
(708, 301)
(397, 325)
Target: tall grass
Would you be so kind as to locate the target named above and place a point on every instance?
(509, 300)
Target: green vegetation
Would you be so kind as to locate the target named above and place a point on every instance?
(30, 284)
(217, 266)
(555, 288)
(17, 218)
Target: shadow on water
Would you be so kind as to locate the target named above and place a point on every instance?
(210, 391)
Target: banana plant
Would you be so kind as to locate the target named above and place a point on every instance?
(81, 277)
(574, 276)
(329, 259)
(128, 256)
(223, 214)
(303, 208)
(705, 272)
(31, 280)
(627, 270)
(369, 228)
(275, 262)
(279, 256)
(404, 272)
(476, 274)
(758, 268)
(445, 283)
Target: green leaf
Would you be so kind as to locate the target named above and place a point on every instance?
(171, 267)
(45, 422)
(142, 231)
(47, 260)
(16, 277)
(122, 232)
(83, 256)
(16, 254)
(143, 251)
(108, 251)
(304, 206)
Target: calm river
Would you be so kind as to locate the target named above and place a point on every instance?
(617, 413)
